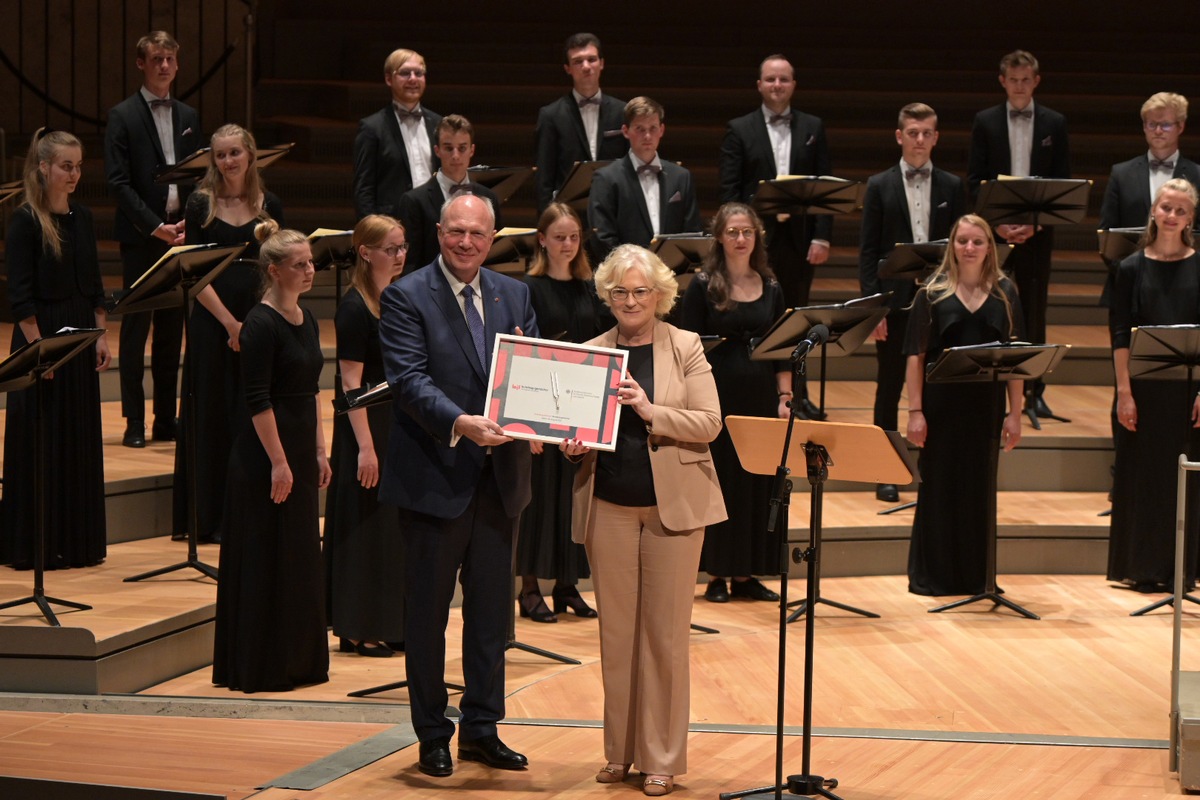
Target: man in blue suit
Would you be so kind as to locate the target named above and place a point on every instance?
(460, 483)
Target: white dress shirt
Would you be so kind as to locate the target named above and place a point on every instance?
(164, 124)
(650, 183)
(1020, 141)
(919, 191)
(780, 134)
(416, 145)
(591, 120)
(1160, 176)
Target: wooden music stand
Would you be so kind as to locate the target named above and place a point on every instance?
(512, 250)
(503, 181)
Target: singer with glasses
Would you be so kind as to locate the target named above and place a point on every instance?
(640, 512)
(737, 297)
(967, 301)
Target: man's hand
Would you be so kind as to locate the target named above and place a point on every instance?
(818, 253)
(480, 430)
(171, 233)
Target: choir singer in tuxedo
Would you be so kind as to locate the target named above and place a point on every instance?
(640, 512)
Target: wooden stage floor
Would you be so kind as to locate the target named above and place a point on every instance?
(961, 705)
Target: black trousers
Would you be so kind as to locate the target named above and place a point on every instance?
(477, 546)
(890, 370)
(166, 341)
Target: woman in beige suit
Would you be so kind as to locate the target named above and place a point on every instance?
(640, 512)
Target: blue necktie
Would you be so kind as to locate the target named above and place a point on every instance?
(474, 323)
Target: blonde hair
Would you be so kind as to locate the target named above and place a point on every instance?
(944, 280)
(45, 147)
(213, 179)
(275, 245)
(581, 267)
(398, 58)
(370, 231)
(1183, 186)
(630, 256)
(1169, 101)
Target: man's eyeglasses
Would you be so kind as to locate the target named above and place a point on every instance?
(410, 73)
(1165, 127)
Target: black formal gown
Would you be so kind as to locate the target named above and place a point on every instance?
(270, 628)
(220, 409)
(60, 292)
(364, 549)
(1141, 546)
(948, 552)
(742, 545)
(568, 311)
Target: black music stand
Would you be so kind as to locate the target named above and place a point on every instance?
(849, 324)
(332, 249)
(174, 280)
(10, 189)
(503, 181)
(511, 251)
(26, 368)
(865, 454)
(993, 363)
(1115, 244)
(1036, 202)
(191, 168)
(683, 253)
(578, 186)
(915, 261)
(1166, 352)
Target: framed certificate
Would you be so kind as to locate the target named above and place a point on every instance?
(550, 391)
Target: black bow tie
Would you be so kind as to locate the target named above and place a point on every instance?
(594, 100)
(653, 169)
(156, 103)
(911, 173)
(1161, 163)
(403, 113)
(786, 119)
(460, 187)
(1025, 114)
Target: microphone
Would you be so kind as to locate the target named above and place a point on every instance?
(817, 336)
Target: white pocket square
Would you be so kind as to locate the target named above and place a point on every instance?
(1048, 141)
(675, 198)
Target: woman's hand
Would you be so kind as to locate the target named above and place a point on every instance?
(1127, 411)
(368, 467)
(536, 447)
(631, 394)
(103, 354)
(324, 472)
(573, 448)
(1196, 412)
(234, 329)
(281, 481)
(1010, 433)
(917, 428)
(785, 410)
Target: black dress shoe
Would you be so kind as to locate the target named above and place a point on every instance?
(491, 751)
(752, 589)
(568, 597)
(135, 435)
(179, 537)
(163, 431)
(435, 758)
(806, 410)
(887, 493)
(364, 648)
(533, 606)
(212, 538)
(397, 646)
(717, 592)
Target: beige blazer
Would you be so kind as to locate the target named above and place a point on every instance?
(687, 416)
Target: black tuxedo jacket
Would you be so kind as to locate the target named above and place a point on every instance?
(381, 173)
(560, 141)
(886, 222)
(990, 156)
(1127, 198)
(420, 210)
(617, 208)
(133, 155)
(746, 158)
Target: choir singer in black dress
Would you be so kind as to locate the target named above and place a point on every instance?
(364, 549)
(967, 301)
(1156, 419)
(54, 282)
(567, 308)
(736, 296)
(270, 626)
(224, 209)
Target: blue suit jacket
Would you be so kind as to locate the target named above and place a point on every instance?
(435, 376)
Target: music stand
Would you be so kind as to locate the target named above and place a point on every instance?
(1115, 244)
(1166, 352)
(503, 181)
(915, 261)
(849, 324)
(683, 253)
(191, 168)
(807, 194)
(10, 189)
(332, 249)
(865, 454)
(578, 186)
(993, 363)
(26, 368)
(511, 251)
(174, 280)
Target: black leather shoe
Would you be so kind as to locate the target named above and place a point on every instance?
(887, 493)
(806, 410)
(179, 537)
(212, 538)
(491, 751)
(135, 434)
(717, 592)
(752, 589)
(163, 431)
(435, 758)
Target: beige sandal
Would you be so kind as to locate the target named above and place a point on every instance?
(658, 785)
(612, 773)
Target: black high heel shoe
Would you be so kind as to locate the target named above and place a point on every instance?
(363, 648)
(533, 606)
(568, 597)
